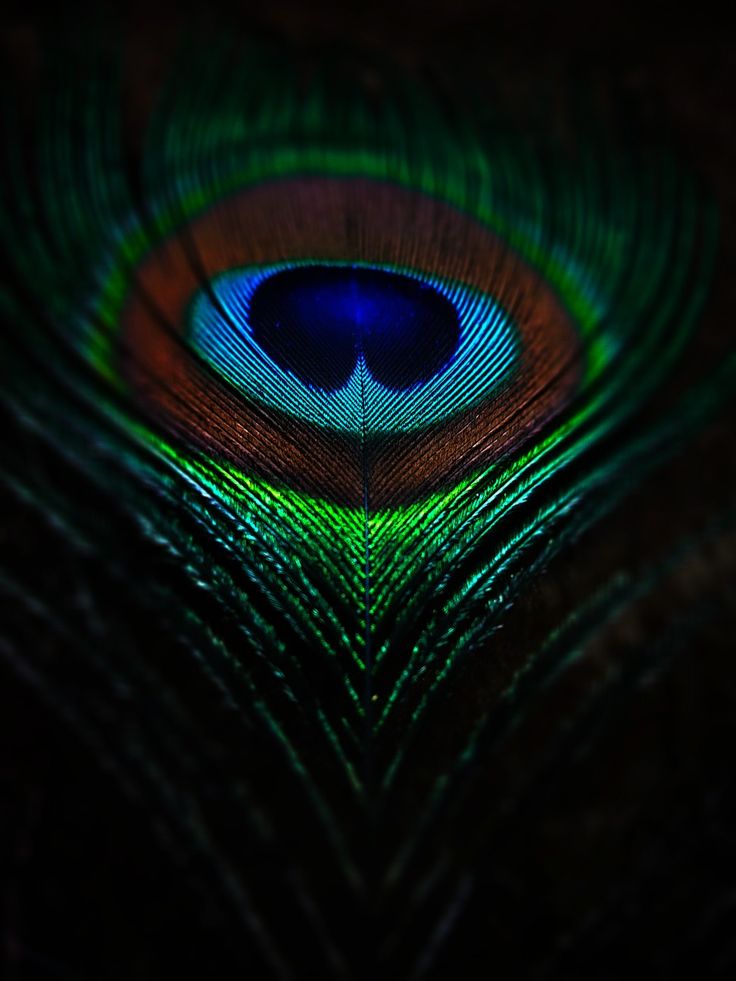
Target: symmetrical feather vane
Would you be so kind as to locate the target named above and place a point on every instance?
(355, 372)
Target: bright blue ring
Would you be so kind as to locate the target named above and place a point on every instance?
(485, 357)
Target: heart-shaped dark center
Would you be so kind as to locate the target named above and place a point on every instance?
(317, 321)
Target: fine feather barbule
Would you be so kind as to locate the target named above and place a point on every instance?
(332, 547)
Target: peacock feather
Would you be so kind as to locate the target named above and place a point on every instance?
(313, 369)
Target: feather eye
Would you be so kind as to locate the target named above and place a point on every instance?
(354, 373)
(489, 359)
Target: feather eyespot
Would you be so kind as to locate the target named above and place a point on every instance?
(223, 382)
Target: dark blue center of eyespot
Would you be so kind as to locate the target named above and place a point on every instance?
(317, 321)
